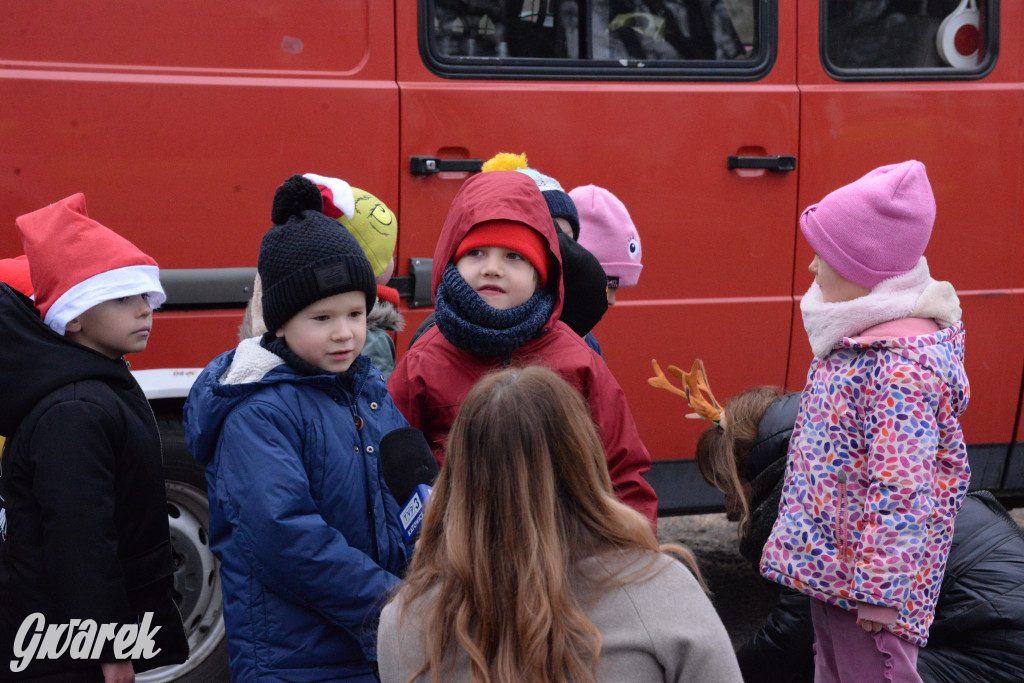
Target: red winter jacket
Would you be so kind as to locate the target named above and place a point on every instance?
(432, 379)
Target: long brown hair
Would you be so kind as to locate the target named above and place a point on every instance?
(722, 452)
(524, 494)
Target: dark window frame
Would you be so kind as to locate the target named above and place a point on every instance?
(943, 73)
(524, 69)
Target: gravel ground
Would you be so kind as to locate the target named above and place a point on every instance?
(742, 598)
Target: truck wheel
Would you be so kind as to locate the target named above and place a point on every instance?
(196, 577)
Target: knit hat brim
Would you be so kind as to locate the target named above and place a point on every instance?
(106, 286)
(628, 274)
(511, 235)
(335, 274)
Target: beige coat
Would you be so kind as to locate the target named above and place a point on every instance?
(659, 629)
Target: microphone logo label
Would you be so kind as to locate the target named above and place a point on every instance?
(411, 511)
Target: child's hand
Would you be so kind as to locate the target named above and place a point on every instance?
(870, 626)
(118, 672)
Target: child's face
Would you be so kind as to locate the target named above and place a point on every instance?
(611, 290)
(114, 327)
(329, 333)
(834, 287)
(502, 277)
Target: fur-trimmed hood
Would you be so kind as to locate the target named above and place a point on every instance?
(385, 317)
(232, 378)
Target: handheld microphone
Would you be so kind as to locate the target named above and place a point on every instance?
(410, 470)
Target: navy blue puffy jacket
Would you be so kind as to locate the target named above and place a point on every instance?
(305, 527)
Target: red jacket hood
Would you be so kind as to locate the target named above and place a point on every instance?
(507, 195)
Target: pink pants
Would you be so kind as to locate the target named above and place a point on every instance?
(846, 653)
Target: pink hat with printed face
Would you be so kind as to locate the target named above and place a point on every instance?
(78, 263)
(607, 232)
(875, 228)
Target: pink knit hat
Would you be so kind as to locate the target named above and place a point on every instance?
(607, 232)
(876, 227)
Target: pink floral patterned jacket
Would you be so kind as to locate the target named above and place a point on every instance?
(877, 471)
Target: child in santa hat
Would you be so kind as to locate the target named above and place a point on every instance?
(86, 535)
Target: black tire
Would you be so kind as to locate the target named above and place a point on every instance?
(196, 574)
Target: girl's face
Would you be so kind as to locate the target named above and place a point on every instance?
(834, 287)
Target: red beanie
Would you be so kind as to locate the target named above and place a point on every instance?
(14, 272)
(78, 263)
(511, 235)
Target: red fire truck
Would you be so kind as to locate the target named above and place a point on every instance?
(715, 121)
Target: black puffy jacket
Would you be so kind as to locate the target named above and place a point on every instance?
(978, 632)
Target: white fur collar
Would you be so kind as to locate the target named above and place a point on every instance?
(912, 294)
(250, 363)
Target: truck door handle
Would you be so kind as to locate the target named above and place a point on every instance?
(431, 165)
(416, 285)
(776, 162)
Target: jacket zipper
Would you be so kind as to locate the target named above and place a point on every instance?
(842, 516)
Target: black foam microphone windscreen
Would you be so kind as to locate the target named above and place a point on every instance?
(407, 462)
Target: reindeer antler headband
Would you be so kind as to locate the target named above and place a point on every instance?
(695, 390)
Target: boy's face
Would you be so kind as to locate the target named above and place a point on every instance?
(329, 333)
(502, 277)
(834, 287)
(114, 327)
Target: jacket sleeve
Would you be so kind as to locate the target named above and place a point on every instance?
(627, 456)
(262, 484)
(73, 448)
(902, 436)
(782, 651)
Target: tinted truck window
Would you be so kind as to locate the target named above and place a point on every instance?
(909, 38)
(595, 36)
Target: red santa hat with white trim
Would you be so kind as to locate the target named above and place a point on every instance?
(78, 263)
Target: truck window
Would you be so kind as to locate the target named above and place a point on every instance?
(618, 39)
(908, 39)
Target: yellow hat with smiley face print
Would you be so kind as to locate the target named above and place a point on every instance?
(367, 218)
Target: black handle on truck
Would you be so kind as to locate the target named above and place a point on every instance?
(416, 285)
(777, 162)
(432, 165)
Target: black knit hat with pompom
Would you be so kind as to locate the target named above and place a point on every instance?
(307, 256)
